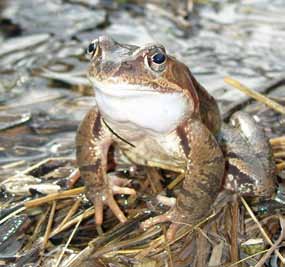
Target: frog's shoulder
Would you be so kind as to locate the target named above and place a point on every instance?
(209, 110)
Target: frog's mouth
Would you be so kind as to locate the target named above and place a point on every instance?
(141, 106)
(115, 89)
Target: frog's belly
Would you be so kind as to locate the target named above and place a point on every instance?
(163, 152)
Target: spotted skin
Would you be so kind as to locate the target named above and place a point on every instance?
(193, 142)
(249, 162)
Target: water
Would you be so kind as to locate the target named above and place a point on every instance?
(42, 69)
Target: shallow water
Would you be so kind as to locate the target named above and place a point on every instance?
(42, 61)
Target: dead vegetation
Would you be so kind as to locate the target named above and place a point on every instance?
(55, 225)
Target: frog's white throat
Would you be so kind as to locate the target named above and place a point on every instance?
(141, 106)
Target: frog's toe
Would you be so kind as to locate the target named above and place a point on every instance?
(123, 190)
(106, 197)
(166, 217)
(170, 216)
(98, 209)
(118, 185)
(112, 204)
(171, 232)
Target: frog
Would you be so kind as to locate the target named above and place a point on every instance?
(150, 107)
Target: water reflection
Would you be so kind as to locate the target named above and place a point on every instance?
(42, 71)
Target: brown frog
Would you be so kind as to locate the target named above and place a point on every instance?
(152, 108)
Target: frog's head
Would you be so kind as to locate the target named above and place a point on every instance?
(143, 85)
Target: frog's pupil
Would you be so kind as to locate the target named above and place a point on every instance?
(158, 58)
(91, 48)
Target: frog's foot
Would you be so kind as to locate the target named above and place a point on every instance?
(105, 196)
(170, 216)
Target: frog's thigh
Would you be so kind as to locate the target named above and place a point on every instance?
(246, 174)
(256, 139)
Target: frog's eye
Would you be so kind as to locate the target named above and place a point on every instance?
(157, 61)
(158, 58)
(92, 48)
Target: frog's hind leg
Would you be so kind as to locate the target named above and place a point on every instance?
(250, 166)
(256, 137)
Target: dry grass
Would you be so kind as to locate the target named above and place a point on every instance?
(64, 217)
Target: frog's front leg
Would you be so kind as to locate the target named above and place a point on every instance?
(93, 140)
(203, 177)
